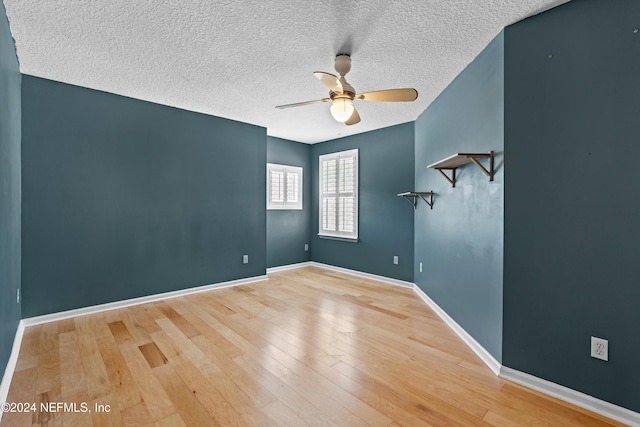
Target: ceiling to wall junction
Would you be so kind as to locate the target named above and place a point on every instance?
(239, 60)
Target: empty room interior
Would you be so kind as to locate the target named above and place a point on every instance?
(347, 213)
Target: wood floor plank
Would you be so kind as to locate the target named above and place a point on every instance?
(72, 376)
(361, 303)
(343, 398)
(209, 395)
(221, 389)
(188, 350)
(240, 378)
(48, 359)
(49, 417)
(302, 407)
(177, 319)
(285, 416)
(187, 405)
(168, 348)
(370, 397)
(137, 415)
(158, 403)
(66, 325)
(153, 354)
(119, 331)
(48, 382)
(421, 408)
(145, 315)
(307, 347)
(95, 372)
(226, 346)
(321, 397)
(22, 389)
(109, 414)
(123, 384)
(29, 348)
(174, 420)
(240, 326)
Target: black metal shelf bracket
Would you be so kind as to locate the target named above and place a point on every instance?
(412, 197)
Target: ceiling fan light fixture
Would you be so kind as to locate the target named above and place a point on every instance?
(342, 94)
(342, 109)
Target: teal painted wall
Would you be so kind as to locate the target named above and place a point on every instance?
(385, 220)
(572, 223)
(460, 241)
(289, 230)
(10, 237)
(124, 198)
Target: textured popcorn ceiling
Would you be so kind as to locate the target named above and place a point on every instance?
(239, 59)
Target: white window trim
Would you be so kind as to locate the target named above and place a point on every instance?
(352, 236)
(284, 204)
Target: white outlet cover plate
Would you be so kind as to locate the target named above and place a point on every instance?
(600, 348)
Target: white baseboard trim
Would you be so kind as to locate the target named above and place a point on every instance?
(574, 397)
(11, 365)
(288, 267)
(478, 349)
(54, 317)
(363, 274)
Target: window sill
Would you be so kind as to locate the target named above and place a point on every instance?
(282, 208)
(343, 239)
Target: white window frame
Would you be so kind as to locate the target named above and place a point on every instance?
(286, 171)
(337, 233)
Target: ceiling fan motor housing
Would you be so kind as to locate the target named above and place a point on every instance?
(343, 66)
(342, 63)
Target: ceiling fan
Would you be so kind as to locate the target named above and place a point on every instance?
(342, 94)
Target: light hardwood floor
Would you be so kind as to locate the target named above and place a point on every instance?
(307, 347)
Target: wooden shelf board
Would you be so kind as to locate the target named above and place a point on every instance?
(415, 193)
(458, 160)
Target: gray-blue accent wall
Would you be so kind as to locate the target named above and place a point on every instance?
(460, 241)
(289, 230)
(385, 220)
(572, 224)
(10, 177)
(124, 198)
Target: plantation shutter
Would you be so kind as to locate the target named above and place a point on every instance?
(338, 194)
(284, 187)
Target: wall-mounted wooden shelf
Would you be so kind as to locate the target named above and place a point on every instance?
(460, 159)
(412, 197)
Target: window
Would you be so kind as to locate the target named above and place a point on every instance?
(339, 194)
(284, 187)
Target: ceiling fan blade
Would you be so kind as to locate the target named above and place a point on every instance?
(300, 104)
(330, 81)
(389, 95)
(355, 118)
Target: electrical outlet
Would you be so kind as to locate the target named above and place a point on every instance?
(18, 296)
(245, 259)
(306, 247)
(420, 267)
(600, 348)
(395, 259)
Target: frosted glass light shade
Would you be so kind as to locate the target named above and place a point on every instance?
(342, 109)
